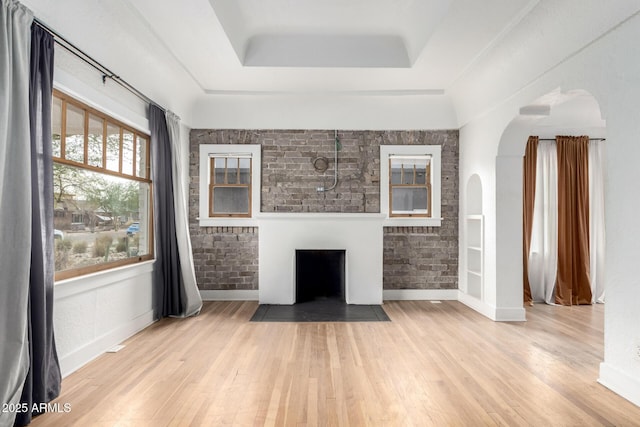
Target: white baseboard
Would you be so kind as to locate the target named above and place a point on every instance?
(511, 314)
(515, 314)
(85, 354)
(419, 294)
(477, 305)
(229, 295)
(620, 383)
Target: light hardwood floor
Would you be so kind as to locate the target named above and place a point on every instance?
(434, 364)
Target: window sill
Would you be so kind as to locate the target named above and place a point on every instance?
(412, 222)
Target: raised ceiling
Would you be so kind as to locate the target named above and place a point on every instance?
(355, 46)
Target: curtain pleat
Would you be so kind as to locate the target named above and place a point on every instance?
(15, 202)
(43, 380)
(597, 221)
(573, 285)
(193, 301)
(168, 286)
(543, 250)
(529, 192)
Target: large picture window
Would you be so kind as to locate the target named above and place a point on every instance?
(102, 190)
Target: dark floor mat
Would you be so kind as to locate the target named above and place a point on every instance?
(320, 311)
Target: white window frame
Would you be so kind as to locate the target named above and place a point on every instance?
(433, 151)
(210, 150)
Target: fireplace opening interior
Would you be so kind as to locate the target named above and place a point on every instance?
(320, 274)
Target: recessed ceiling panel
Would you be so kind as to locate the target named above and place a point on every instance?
(308, 50)
(329, 33)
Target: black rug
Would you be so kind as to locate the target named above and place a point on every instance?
(322, 310)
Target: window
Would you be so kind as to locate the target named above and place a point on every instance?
(410, 184)
(229, 184)
(101, 180)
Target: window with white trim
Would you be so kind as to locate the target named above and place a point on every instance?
(229, 184)
(410, 184)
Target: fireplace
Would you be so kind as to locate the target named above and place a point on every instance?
(320, 275)
(358, 236)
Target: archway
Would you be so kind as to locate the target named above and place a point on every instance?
(574, 112)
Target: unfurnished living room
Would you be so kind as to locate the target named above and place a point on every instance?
(336, 212)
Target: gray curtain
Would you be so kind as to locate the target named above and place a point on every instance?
(170, 298)
(193, 301)
(43, 380)
(15, 201)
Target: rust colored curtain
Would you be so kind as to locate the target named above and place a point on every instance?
(573, 285)
(529, 193)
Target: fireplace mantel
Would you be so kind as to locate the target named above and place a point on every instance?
(360, 235)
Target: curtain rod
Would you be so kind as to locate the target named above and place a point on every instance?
(590, 139)
(106, 73)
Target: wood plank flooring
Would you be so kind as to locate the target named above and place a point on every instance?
(432, 365)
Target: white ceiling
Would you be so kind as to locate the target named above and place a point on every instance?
(355, 46)
(186, 53)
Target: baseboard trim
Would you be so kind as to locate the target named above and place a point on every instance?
(477, 305)
(419, 294)
(620, 383)
(85, 354)
(511, 314)
(229, 295)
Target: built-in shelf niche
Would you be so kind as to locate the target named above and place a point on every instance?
(475, 261)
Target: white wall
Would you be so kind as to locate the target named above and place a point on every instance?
(94, 313)
(314, 111)
(606, 63)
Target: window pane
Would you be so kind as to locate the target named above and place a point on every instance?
(95, 147)
(409, 200)
(396, 171)
(421, 173)
(56, 126)
(127, 152)
(231, 200)
(98, 218)
(245, 171)
(113, 147)
(141, 157)
(219, 170)
(74, 139)
(232, 170)
(407, 175)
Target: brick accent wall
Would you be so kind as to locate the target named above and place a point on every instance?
(414, 257)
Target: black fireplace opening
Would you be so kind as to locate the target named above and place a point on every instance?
(320, 274)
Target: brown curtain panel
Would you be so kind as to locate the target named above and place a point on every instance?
(573, 284)
(529, 195)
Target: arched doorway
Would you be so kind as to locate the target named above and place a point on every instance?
(574, 112)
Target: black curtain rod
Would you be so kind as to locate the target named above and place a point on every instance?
(590, 139)
(80, 54)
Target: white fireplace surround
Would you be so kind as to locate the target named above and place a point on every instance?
(360, 235)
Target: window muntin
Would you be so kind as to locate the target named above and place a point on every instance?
(410, 186)
(101, 188)
(230, 185)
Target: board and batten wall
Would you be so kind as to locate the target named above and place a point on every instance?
(226, 258)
